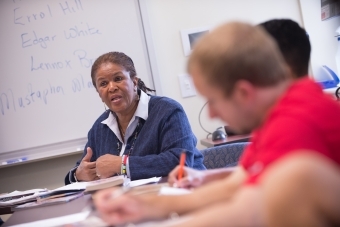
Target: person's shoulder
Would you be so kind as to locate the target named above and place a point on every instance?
(102, 117)
(303, 110)
(164, 102)
(299, 93)
(309, 96)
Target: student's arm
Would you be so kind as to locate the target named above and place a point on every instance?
(245, 209)
(203, 196)
(194, 178)
(136, 208)
(302, 189)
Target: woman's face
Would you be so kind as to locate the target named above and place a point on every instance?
(115, 87)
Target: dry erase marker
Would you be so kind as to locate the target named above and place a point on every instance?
(11, 161)
(181, 165)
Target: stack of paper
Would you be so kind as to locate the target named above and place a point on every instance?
(42, 197)
(16, 198)
(19, 197)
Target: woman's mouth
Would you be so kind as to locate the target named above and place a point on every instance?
(116, 99)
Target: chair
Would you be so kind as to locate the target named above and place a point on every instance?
(223, 156)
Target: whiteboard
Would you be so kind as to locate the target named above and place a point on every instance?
(47, 100)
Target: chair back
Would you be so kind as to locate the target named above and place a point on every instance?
(223, 156)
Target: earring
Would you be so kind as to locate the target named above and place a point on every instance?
(136, 90)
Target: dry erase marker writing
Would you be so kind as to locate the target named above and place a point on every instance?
(181, 165)
(11, 161)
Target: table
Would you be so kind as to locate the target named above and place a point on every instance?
(58, 210)
(229, 139)
(40, 213)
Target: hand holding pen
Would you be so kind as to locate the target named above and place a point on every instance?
(181, 165)
(185, 177)
(118, 206)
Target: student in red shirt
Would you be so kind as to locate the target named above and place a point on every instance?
(304, 118)
(241, 72)
(295, 47)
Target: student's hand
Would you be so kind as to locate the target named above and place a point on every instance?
(86, 170)
(108, 165)
(122, 209)
(191, 178)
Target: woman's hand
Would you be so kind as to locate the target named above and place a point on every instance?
(116, 210)
(86, 170)
(191, 178)
(108, 165)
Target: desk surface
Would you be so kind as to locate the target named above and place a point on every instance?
(229, 139)
(58, 210)
(46, 212)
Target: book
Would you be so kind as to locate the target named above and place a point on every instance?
(93, 186)
(57, 194)
(147, 189)
(51, 200)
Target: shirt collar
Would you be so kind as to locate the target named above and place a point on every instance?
(142, 111)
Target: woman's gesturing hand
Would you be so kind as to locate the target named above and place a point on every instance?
(86, 170)
(108, 165)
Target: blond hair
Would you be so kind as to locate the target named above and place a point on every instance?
(238, 51)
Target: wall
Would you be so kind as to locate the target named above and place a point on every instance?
(322, 36)
(48, 173)
(165, 20)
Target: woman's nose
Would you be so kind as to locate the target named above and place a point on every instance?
(112, 86)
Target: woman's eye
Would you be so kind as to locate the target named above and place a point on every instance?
(118, 78)
(103, 83)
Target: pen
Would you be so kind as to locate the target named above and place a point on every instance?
(181, 165)
(11, 161)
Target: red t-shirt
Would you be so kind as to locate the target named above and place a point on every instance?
(303, 118)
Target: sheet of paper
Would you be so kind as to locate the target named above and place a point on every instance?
(136, 183)
(58, 221)
(173, 191)
(90, 221)
(164, 223)
(73, 186)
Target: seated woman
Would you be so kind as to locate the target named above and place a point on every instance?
(139, 135)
